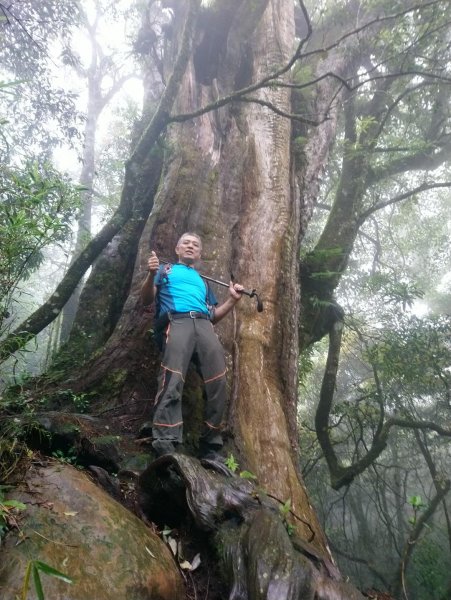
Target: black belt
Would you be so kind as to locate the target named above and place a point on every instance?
(192, 314)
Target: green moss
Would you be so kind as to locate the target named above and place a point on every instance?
(138, 462)
(113, 381)
(106, 439)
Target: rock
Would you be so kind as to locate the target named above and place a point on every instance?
(76, 528)
(87, 438)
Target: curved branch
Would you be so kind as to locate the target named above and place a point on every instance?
(339, 475)
(301, 86)
(116, 87)
(376, 21)
(421, 188)
(410, 424)
(426, 75)
(282, 113)
(360, 561)
(270, 79)
(326, 398)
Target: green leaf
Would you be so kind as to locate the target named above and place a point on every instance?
(37, 581)
(14, 504)
(285, 508)
(416, 501)
(26, 581)
(247, 475)
(48, 570)
(231, 463)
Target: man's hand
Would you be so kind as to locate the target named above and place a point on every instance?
(235, 290)
(148, 288)
(153, 263)
(235, 294)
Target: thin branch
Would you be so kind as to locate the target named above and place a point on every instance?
(393, 105)
(282, 113)
(425, 74)
(7, 9)
(300, 519)
(300, 86)
(410, 424)
(117, 85)
(375, 21)
(360, 561)
(421, 188)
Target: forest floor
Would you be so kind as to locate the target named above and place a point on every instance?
(110, 445)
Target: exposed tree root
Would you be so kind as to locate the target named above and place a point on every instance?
(259, 558)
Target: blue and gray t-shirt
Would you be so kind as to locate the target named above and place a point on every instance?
(180, 289)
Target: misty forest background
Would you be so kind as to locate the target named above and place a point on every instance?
(367, 111)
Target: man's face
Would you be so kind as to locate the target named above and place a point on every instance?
(188, 249)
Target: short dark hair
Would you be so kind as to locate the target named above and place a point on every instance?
(192, 234)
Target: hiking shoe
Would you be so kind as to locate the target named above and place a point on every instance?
(212, 451)
(162, 447)
(145, 431)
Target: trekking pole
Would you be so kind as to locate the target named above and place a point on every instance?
(250, 293)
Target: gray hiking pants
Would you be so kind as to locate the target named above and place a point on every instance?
(184, 337)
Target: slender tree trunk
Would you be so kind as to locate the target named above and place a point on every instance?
(84, 219)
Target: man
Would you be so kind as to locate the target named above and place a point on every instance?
(188, 307)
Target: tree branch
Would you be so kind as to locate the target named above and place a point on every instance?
(376, 21)
(292, 116)
(421, 188)
(270, 79)
(326, 399)
(361, 561)
(339, 475)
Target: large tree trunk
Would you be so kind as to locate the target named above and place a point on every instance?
(228, 175)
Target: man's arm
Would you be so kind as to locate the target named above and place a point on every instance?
(234, 297)
(148, 288)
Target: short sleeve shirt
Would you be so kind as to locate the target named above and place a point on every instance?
(180, 288)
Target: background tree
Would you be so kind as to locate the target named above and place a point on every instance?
(104, 73)
(396, 365)
(37, 29)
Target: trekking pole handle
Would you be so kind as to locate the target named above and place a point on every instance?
(250, 293)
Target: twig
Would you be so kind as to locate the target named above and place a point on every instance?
(53, 541)
(294, 515)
